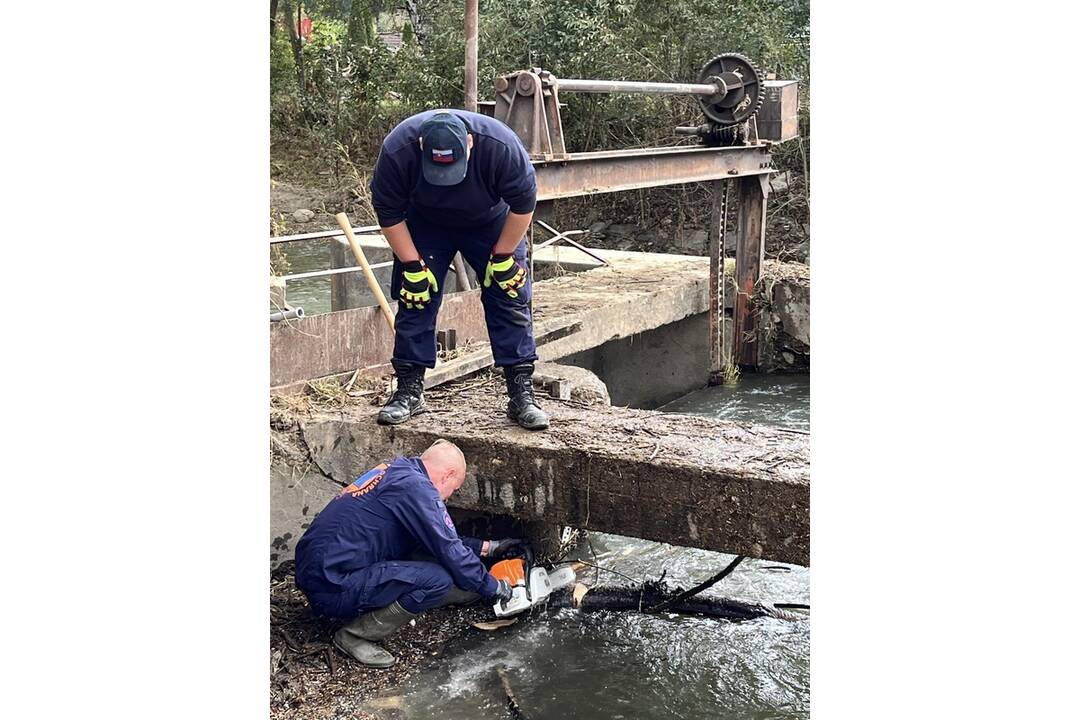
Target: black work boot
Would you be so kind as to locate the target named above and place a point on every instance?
(408, 399)
(522, 407)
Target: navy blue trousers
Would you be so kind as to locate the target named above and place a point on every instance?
(417, 584)
(509, 320)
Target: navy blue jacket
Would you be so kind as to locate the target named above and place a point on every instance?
(499, 176)
(389, 513)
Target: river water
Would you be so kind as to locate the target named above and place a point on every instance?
(616, 665)
(312, 294)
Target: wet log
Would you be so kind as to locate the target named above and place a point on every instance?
(651, 595)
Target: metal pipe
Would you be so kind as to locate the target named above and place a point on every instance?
(561, 236)
(294, 314)
(471, 17)
(334, 271)
(692, 130)
(320, 234)
(338, 271)
(630, 86)
(564, 236)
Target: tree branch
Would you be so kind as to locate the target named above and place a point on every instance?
(698, 588)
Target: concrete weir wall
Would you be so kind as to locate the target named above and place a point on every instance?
(647, 369)
(672, 478)
(641, 325)
(651, 368)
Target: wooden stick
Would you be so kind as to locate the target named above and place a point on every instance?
(376, 290)
(512, 703)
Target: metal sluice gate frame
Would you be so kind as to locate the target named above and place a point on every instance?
(730, 91)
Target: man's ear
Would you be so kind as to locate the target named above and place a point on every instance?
(468, 140)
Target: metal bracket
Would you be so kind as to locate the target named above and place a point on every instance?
(528, 101)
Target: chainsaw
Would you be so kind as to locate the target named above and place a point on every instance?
(531, 585)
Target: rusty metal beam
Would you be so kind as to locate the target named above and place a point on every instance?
(615, 170)
(749, 257)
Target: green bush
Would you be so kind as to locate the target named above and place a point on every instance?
(357, 90)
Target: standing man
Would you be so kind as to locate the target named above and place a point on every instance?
(385, 549)
(447, 182)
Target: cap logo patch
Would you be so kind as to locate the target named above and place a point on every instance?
(442, 156)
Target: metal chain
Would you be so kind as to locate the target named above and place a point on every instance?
(725, 350)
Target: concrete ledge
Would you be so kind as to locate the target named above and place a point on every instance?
(672, 478)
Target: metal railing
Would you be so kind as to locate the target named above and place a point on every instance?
(323, 235)
(335, 234)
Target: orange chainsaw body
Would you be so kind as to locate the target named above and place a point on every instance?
(512, 571)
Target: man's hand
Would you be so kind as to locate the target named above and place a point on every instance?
(507, 547)
(418, 282)
(507, 272)
(504, 592)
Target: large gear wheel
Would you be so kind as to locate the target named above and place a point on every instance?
(745, 92)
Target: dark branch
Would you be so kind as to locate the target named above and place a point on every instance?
(698, 588)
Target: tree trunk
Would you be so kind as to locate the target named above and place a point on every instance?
(273, 16)
(416, 20)
(297, 47)
(361, 23)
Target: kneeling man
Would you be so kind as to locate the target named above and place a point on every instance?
(385, 549)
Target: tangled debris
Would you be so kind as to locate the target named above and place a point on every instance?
(310, 678)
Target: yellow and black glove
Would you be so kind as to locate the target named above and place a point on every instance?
(507, 272)
(418, 282)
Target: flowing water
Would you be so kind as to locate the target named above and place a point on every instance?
(312, 294)
(615, 665)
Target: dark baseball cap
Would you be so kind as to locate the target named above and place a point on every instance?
(444, 150)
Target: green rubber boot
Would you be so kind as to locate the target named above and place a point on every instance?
(357, 638)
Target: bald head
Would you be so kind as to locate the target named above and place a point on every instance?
(445, 465)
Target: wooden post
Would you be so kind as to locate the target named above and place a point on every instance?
(472, 13)
(718, 359)
(749, 258)
(343, 223)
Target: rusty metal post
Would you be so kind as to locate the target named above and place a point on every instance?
(472, 14)
(749, 258)
(718, 357)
